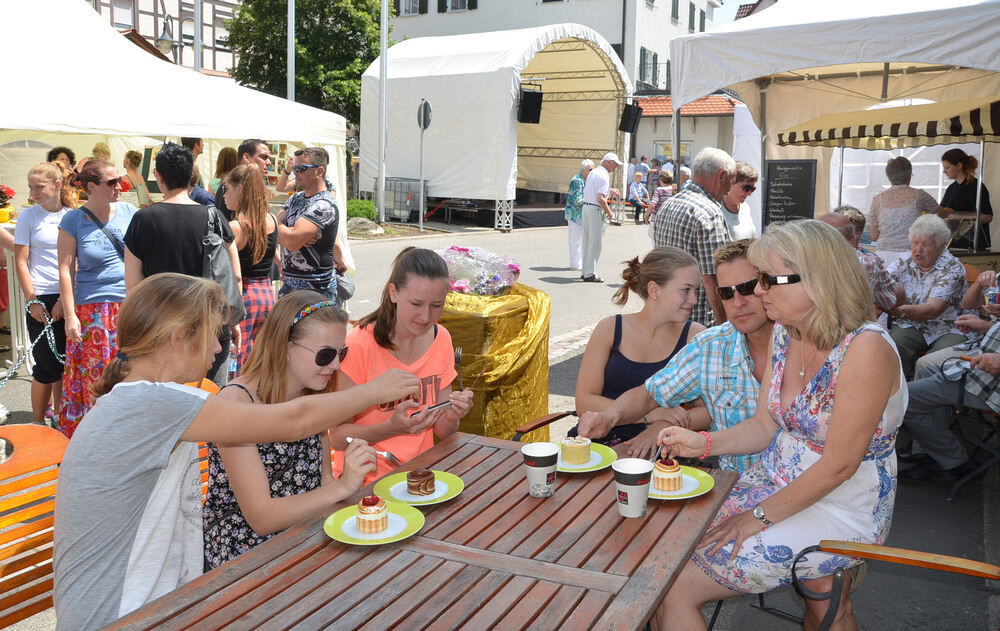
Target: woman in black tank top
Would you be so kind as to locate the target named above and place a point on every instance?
(626, 350)
(256, 239)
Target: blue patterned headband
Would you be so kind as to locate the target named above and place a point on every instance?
(313, 307)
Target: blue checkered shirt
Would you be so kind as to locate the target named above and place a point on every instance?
(715, 366)
(692, 221)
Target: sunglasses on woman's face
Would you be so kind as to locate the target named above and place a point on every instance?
(743, 289)
(113, 183)
(326, 355)
(767, 280)
(749, 188)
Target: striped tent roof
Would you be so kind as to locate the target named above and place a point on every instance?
(967, 120)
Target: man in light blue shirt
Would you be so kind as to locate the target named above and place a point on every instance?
(722, 365)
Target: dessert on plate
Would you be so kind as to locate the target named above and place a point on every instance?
(420, 482)
(667, 475)
(373, 515)
(576, 450)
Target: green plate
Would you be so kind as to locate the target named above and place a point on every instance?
(601, 457)
(446, 486)
(696, 482)
(404, 521)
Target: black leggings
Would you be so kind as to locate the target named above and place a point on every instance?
(47, 369)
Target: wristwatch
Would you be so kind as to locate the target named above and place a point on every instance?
(758, 513)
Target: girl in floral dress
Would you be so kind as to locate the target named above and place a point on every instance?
(827, 423)
(92, 286)
(257, 490)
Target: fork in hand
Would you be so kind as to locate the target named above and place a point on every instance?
(393, 460)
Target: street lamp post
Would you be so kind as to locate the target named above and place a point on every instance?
(291, 51)
(169, 46)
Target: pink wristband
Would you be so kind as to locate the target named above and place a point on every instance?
(708, 445)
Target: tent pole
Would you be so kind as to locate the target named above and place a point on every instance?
(763, 148)
(382, 100)
(677, 143)
(979, 192)
(290, 73)
(840, 187)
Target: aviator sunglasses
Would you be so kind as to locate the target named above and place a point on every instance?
(767, 280)
(326, 355)
(744, 289)
(113, 182)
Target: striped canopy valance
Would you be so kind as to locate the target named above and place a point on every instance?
(967, 120)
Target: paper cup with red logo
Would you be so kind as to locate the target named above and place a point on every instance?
(540, 460)
(632, 485)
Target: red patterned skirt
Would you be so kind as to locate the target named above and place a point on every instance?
(258, 299)
(86, 360)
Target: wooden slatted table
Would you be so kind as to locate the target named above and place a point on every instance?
(491, 556)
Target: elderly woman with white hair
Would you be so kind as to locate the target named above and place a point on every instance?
(574, 214)
(894, 210)
(832, 400)
(933, 281)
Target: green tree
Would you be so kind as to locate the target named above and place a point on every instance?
(335, 40)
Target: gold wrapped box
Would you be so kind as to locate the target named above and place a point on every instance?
(510, 333)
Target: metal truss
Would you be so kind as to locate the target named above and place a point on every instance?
(560, 152)
(503, 217)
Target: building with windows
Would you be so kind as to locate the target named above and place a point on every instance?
(639, 30)
(151, 20)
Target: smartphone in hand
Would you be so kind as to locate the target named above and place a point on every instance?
(436, 406)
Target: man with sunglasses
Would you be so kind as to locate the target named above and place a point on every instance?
(722, 365)
(307, 228)
(250, 150)
(692, 221)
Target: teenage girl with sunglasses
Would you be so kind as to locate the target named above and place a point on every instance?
(403, 333)
(128, 526)
(255, 491)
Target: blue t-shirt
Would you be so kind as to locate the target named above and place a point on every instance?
(100, 272)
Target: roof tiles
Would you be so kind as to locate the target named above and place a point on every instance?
(712, 105)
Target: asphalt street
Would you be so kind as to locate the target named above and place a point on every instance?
(890, 597)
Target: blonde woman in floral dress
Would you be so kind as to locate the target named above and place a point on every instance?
(827, 424)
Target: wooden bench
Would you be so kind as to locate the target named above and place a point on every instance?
(27, 514)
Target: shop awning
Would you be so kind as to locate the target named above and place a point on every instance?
(967, 120)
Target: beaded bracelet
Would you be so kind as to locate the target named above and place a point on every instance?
(708, 445)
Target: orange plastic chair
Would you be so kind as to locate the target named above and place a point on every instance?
(211, 388)
(27, 514)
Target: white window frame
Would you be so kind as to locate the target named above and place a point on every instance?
(453, 9)
(403, 4)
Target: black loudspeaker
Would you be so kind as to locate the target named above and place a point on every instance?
(529, 108)
(630, 119)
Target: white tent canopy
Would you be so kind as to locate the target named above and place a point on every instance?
(124, 91)
(475, 147)
(799, 60)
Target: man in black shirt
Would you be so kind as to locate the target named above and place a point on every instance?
(167, 237)
(250, 150)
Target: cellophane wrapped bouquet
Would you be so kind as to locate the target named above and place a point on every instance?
(478, 271)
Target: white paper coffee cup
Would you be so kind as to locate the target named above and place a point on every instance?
(632, 477)
(540, 460)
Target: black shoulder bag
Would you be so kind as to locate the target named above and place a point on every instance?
(217, 266)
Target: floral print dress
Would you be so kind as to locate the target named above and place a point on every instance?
(860, 509)
(291, 467)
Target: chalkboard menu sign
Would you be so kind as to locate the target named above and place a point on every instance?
(789, 190)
